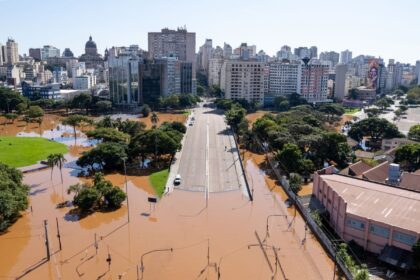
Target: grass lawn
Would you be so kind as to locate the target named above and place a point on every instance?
(24, 151)
(351, 111)
(158, 181)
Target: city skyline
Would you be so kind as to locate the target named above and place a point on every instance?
(381, 32)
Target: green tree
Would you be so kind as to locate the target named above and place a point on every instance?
(82, 101)
(154, 119)
(21, 107)
(103, 106)
(384, 103)
(156, 143)
(145, 110)
(11, 117)
(13, 195)
(332, 109)
(75, 121)
(108, 156)
(408, 156)
(35, 112)
(295, 182)
(9, 99)
(289, 158)
(234, 116)
(376, 128)
(178, 126)
(108, 135)
(414, 133)
(413, 95)
(56, 160)
(131, 127)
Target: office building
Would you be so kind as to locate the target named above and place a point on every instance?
(49, 52)
(35, 54)
(304, 52)
(35, 92)
(12, 52)
(417, 71)
(314, 82)
(243, 79)
(340, 82)
(84, 82)
(227, 51)
(172, 43)
(332, 58)
(346, 57)
(284, 78)
(313, 52)
(245, 52)
(2, 57)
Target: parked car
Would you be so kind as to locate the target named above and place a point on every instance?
(177, 180)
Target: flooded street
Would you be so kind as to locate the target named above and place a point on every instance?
(178, 238)
(225, 231)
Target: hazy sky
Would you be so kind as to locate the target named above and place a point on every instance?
(385, 28)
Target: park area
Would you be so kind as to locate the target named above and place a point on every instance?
(24, 151)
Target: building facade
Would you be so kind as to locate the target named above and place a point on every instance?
(176, 43)
(340, 91)
(373, 215)
(314, 82)
(284, 78)
(243, 79)
(12, 52)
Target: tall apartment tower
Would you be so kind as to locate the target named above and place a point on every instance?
(314, 83)
(12, 54)
(340, 81)
(177, 43)
(243, 79)
(227, 50)
(284, 78)
(418, 71)
(1, 55)
(346, 56)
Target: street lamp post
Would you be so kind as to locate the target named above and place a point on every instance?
(126, 188)
(141, 268)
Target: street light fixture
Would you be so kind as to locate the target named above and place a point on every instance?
(141, 268)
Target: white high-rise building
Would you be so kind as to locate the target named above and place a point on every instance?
(84, 82)
(49, 51)
(12, 52)
(243, 79)
(206, 52)
(215, 69)
(284, 78)
(346, 56)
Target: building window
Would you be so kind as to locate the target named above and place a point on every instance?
(356, 224)
(380, 231)
(404, 238)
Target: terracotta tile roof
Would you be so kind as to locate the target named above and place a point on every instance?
(378, 173)
(359, 168)
(410, 181)
(378, 202)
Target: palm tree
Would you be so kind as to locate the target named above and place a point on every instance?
(59, 162)
(154, 118)
(74, 121)
(51, 163)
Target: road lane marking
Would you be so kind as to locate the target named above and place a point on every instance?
(207, 161)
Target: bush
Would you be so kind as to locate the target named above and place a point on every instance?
(13, 195)
(145, 110)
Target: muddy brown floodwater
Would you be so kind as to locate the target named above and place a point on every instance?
(222, 233)
(181, 237)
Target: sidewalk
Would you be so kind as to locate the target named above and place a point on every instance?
(175, 162)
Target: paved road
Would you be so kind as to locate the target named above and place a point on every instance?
(205, 165)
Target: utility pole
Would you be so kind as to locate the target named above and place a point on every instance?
(58, 233)
(47, 244)
(126, 189)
